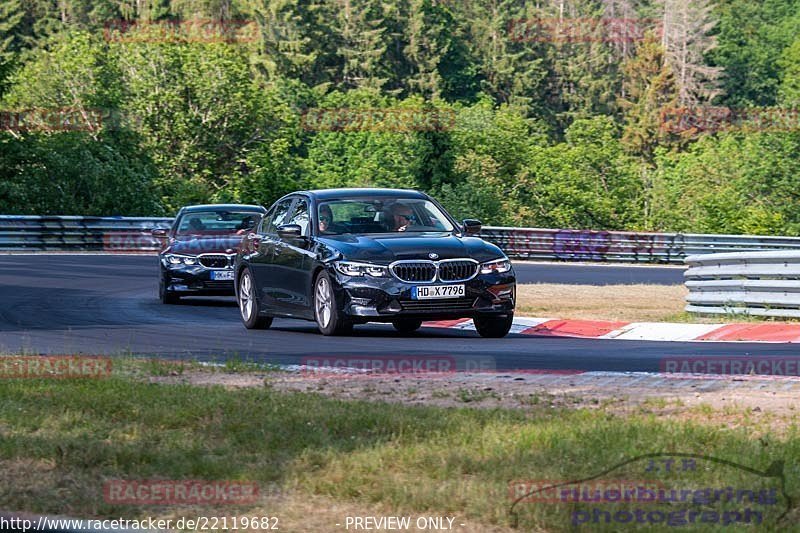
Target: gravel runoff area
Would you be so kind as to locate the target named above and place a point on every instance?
(682, 395)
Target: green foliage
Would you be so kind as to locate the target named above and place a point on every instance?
(548, 131)
(734, 183)
(585, 182)
(71, 173)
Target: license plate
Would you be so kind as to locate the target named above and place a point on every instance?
(222, 275)
(437, 291)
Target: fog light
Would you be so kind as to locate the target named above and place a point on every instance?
(394, 307)
(502, 292)
(360, 301)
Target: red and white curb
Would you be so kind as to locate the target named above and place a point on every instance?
(642, 331)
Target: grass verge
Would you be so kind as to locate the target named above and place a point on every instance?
(61, 440)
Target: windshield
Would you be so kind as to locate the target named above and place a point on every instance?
(380, 215)
(217, 222)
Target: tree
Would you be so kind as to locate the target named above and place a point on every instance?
(687, 39)
(199, 113)
(730, 183)
(11, 14)
(789, 90)
(752, 38)
(75, 174)
(284, 42)
(511, 67)
(585, 182)
(361, 43)
(650, 90)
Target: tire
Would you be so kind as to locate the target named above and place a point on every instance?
(249, 308)
(330, 320)
(494, 327)
(166, 297)
(407, 325)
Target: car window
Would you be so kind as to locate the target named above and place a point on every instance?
(300, 216)
(277, 216)
(216, 222)
(381, 215)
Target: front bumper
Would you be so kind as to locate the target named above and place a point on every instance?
(366, 299)
(195, 280)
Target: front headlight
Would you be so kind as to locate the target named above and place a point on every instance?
(498, 266)
(349, 268)
(173, 259)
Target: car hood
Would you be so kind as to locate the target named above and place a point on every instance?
(204, 244)
(385, 248)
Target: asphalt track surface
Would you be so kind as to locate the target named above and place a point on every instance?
(107, 305)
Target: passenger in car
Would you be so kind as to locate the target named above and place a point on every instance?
(403, 216)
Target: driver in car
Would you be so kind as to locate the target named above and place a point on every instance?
(403, 216)
(195, 224)
(247, 224)
(326, 224)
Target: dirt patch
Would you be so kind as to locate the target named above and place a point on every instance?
(733, 401)
(633, 303)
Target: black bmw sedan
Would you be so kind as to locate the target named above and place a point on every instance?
(349, 256)
(197, 252)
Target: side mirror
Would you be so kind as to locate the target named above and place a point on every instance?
(159, 232)
(290, 231)
(472, 226)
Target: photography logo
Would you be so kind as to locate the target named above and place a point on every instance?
(658, 491)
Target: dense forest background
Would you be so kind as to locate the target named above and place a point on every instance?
(548, 131)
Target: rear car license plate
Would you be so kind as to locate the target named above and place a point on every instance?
(222, 275)
(437, 291)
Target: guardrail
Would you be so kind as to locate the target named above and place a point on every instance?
(756, 283)
(624, 246)
(67, 233)
(132, 235)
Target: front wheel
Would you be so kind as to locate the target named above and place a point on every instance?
(494, 327)
(330, 320)
(248, 303)
(167, 297)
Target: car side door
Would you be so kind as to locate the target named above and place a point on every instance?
(294, 262)
(262, 259)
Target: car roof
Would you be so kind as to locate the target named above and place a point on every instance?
(223, 207)
(328, 194)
